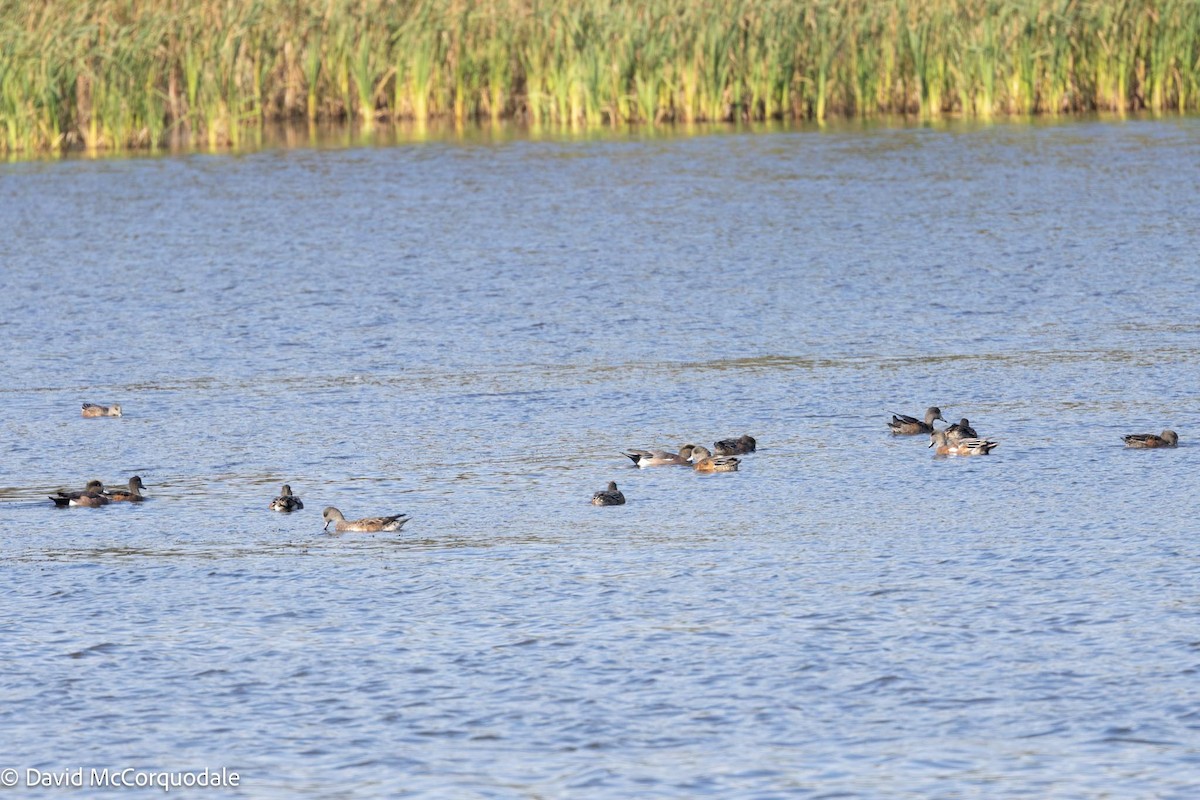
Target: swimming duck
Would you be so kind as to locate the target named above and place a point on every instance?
(964, 447)
(704, 461)
(286, 500)
(94, 410)
(1142, 440)
(961, 430)
(735, 447)
(91, 496)
(364, 525)
(609, 497)
(659, 458)
(130, 495)
(904, 425)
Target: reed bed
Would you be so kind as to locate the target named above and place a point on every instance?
(130, 73)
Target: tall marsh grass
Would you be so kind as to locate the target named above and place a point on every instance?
(129, 73)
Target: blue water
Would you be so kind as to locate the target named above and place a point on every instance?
(470, 332)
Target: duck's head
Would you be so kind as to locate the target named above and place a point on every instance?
(331, 514)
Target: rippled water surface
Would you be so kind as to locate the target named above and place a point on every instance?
(471, 332)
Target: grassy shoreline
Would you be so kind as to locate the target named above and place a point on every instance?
(112, 74)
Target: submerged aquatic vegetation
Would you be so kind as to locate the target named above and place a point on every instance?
(125, 73)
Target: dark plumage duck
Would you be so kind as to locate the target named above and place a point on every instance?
(735, 447)
(904, 425)
(961, 430)
(286, 501)
(609, 497)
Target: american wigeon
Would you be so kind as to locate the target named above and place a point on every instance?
(94, 410)
(91, 496)
(735, 447)
(704, 461)
(364, 525)
(964, 447)
(130, 495)
(961, 430)
(286, 501)
(609, 497)
(1142, 440)
(904, 425)
(659, 458)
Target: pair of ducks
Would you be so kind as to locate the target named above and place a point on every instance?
(94, 495)
(288, 502)
(959, 439)
(719, 459)
(904, 425)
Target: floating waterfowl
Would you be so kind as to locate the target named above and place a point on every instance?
(130, 495)
(364, 525)
(735, 447)
(659, 458)
(609, 497)
(1167, 438)
(704, 461)
(95, 410)
(91, 496)
(961, 430)
(286, 501)
(964, 447)
(904, 425)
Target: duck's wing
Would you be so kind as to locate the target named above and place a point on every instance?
(383, 523)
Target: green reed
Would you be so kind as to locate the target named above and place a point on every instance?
(129, 73)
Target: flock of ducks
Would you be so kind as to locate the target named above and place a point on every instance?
(960, 439)
(957, 439)
(94, 495)
(722, 458)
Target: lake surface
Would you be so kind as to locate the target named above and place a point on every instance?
(470, 332)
